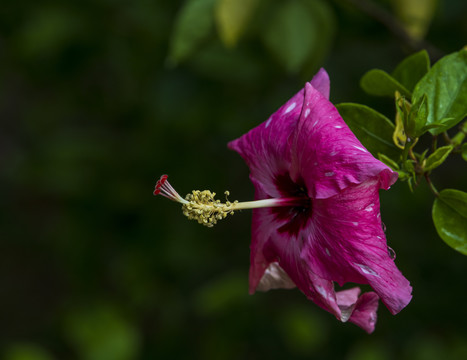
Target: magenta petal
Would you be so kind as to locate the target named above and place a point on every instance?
(347, 244)
(359, 310)
(346, 300)
(364, 314)
(269, 246)
(261, 232)
(321, 82)
(265, 148)
(333, 232)
(327, 155)
(344, 242)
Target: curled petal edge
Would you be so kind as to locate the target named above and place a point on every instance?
(360, 310)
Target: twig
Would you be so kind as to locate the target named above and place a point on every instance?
(460, 136)
(434, 143)
(430, 184)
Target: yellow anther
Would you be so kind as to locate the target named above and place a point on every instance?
(204, 208)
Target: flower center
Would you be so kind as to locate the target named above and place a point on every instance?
(296, 216)
(203, 207)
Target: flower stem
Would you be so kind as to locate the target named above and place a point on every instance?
(405, 152)
(412, 155)
(409, 144)
(460, 136)
(430, 184)
(434, 143)
(446, 138)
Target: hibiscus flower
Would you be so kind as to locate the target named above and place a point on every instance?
(316, 218)
(334, 233)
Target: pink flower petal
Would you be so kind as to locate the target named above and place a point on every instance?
(347, 300)
(327, 155)
(364, 314)
(306, 150)
(265, 148)
(347, 244)
(321, 82)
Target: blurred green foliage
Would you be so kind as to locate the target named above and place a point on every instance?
(94, 108)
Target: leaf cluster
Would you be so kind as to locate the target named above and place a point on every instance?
(429, 100)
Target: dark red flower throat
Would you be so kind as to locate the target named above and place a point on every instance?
(299, 213)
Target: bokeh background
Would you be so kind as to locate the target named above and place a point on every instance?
(99, 98)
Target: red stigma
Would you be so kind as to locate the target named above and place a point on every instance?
(159, 183)
(164, 188)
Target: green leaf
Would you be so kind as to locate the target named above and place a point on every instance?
(192, 27)
(403, 176)
(446, 88)
(389, 162)
(409, 170)
(408, 165)
(464, 151)
(373, 129)
(232, 18)
(437, 158)
(422, 156)
(380, 83)
(450, 218)
(291, 34)
(412, 69)
(417, 118)
(431, 126)
(411, 182)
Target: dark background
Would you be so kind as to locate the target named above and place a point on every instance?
(92, 266)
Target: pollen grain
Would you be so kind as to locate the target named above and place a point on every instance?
(204, 208)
